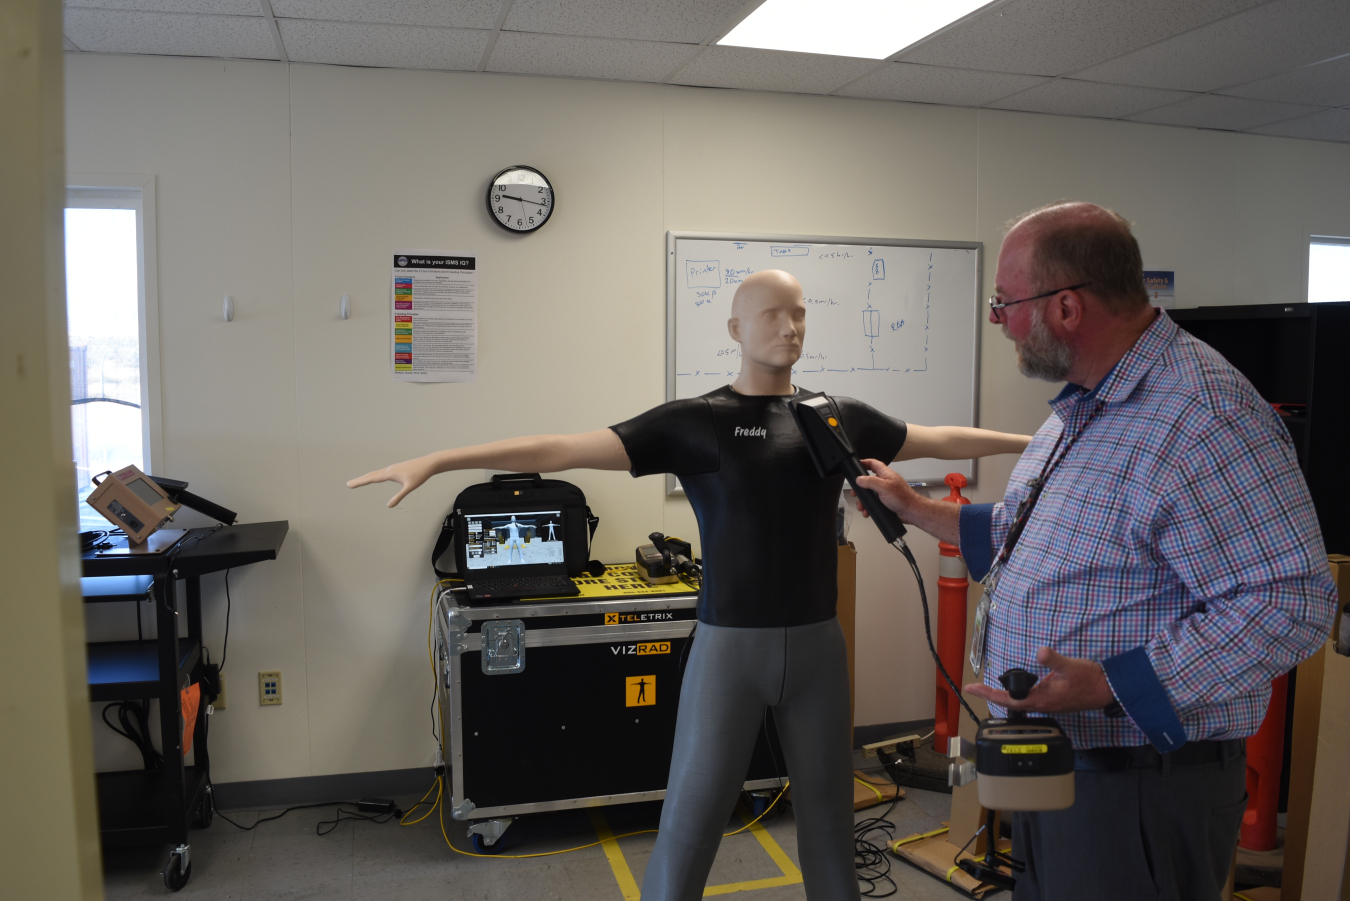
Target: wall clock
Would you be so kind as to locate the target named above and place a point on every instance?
(520, 199)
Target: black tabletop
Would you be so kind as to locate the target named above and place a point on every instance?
(201, 551)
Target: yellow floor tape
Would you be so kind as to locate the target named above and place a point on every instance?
(628, 886)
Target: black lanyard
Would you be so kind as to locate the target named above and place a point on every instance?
(1023, 513)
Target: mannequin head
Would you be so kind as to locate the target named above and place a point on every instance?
(768, 321)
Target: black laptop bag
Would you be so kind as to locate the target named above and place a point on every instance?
(524, 491)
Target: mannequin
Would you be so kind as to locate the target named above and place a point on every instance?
(513, 547)
(767, 634)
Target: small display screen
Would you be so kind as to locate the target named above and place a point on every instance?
(145, 492)
(513, 539)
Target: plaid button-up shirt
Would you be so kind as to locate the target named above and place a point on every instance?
(1176, 544)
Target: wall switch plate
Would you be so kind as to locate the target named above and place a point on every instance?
(219, 703)
(269, 688)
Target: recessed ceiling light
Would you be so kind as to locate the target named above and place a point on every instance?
(871, 29)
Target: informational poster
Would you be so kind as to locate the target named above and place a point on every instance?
(435, 317)
(1161, 285)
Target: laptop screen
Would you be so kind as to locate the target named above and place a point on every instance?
(499, 541)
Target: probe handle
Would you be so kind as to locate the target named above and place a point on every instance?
(886, 519)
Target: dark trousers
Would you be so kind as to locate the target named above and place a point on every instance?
(1142, 832)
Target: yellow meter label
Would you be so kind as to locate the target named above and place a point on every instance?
(1026, 749)
(640, 691)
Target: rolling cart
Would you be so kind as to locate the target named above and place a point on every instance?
(567, 703)
(152, 806)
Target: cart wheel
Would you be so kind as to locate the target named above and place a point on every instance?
(175, 877)
(206, 812)
(482, 847)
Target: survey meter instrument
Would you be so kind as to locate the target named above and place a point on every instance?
(1023, 762)
(131, 501)
(666, 559)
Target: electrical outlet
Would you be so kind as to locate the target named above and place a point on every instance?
(269, 688)
(220, 698)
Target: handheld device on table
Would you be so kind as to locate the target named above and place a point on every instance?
(132, 501)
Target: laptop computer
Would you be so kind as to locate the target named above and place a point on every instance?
(513, 554)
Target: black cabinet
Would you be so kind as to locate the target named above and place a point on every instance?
(1295, 354)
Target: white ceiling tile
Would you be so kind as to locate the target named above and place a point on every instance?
(1261, 42)
(1326, 84)
(1055, 37)
(207, 7)
(1328, 125)
(169, 34)
(383, 46)
(683, 22)
(1067, 97)
(68, 44)
(771, 70)
(550, 54)
(448, 13)
(937, 84)
(1217, 111)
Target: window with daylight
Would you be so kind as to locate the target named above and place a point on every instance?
(1328, 269)
(105, 313)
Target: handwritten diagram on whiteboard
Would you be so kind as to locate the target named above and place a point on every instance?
(894, 325)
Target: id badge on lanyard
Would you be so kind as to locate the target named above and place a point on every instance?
(981, 630)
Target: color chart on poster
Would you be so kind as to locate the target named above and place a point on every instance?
(434, 335)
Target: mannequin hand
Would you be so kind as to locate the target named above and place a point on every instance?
(893, 490)
(1073, 684)
(409, 475)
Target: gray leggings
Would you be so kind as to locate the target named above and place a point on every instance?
(732, 675)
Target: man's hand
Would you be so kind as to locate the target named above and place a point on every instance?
(1073, 684)
(409, 475)
(939, 519)
(893, 490)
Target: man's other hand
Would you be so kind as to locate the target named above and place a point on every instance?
(1073, 684)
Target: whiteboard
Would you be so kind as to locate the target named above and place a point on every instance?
(894, 324)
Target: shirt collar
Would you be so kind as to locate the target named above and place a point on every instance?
(1128, 372)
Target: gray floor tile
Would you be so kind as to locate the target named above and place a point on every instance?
(284, 859)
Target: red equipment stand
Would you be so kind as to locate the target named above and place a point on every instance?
(953, 586)
(1265, 758)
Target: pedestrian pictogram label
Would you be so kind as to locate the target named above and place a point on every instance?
(641, 691)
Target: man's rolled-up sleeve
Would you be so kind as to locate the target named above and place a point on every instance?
(1238, 528)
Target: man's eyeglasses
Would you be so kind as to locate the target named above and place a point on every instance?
(996, 304)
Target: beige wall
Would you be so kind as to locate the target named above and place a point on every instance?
(287, 187)
(49, 832)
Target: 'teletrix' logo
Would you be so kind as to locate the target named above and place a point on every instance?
(756, 432)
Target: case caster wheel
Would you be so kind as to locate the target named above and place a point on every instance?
(481, 847)
(179, 869)
(206, 812)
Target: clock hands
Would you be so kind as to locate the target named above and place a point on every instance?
(523, 200)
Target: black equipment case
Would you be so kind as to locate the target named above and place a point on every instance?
(562, 704)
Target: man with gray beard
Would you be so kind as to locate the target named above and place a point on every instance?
(1156, 561)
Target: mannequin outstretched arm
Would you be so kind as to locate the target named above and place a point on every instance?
(600, 449)
(951, 442)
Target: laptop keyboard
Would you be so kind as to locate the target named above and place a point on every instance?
(534, 586)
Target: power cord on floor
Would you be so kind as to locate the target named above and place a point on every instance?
(318, 827)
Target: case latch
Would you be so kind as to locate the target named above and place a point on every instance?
(503, 647)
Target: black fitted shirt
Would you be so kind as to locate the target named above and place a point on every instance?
(766, 519)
